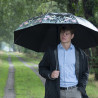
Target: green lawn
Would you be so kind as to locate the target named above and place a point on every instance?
(92, 87)
(27, 83)
(31, 58)
(4, 66)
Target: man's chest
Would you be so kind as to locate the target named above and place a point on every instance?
(66, 57)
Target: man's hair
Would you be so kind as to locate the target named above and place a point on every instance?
(67, 27)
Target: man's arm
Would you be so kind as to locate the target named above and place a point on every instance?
(44, 66)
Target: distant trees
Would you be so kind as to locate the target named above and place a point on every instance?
(14, 12)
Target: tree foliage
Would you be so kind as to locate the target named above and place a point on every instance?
(14, 12)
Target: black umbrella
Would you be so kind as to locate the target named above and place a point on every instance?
(39, 33)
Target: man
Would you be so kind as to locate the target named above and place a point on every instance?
(69, 81)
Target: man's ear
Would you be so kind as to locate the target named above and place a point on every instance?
(72, 36)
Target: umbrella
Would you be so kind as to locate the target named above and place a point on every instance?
(42, 32)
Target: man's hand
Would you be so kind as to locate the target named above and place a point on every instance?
(55, 74)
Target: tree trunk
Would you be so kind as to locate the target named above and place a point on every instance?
(97, 51)
(72, 5)
(96, 76)
(88, 6)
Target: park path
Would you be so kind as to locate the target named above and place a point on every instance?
(9, 89)
(32, 68)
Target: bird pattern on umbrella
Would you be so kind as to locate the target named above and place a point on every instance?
(50, 18)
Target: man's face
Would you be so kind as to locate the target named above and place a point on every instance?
(66, 36)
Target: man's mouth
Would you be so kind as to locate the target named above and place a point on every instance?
(64, 38)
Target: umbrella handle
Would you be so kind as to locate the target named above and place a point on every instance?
(56, 68)
(56, 59)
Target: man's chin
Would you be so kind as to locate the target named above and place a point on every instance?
(65, 42)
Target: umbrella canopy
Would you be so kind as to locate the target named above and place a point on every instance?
(41, 32)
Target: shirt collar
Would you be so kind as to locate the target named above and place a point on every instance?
(71, 46)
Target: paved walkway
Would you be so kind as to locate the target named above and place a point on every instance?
(33, 69)
(9, 89)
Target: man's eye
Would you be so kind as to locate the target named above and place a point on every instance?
(67, 33)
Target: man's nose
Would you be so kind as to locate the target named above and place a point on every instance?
(64, 34)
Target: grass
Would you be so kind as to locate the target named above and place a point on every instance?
(27, 83)
(4, 66)
(31, 59)
(92, 87)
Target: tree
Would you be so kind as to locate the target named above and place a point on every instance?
(72, 5)
(89, 13)
(50, 6)
(88, 6)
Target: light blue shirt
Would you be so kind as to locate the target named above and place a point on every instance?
(67, 61)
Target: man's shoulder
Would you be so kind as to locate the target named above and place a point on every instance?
(49, 49)
(81, 51)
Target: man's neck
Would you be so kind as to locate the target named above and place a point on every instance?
(66, 45)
